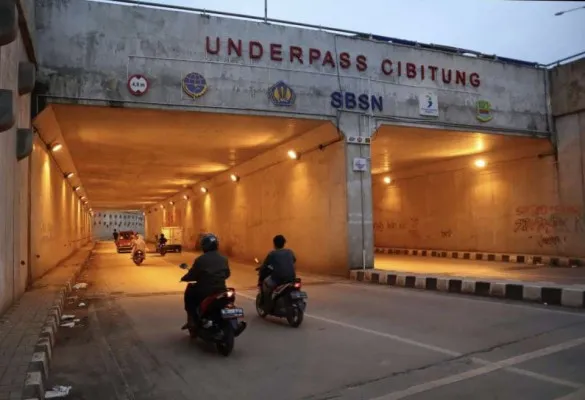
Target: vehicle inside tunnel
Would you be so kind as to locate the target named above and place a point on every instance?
(452, 191)
(245, 178)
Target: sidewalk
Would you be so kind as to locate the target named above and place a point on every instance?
(27, 329)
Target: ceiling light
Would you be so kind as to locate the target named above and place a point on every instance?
(387, 180)
(293, 154)
(83, 198)
(162, 206)
(234, 177)
(204, 190)
(69, 175)
(480, 163)
(77, 188)
(56, 147)
(171, 202)
(186, 197)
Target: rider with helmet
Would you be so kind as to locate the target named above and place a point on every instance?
(210, 270)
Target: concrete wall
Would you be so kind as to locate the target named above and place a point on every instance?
(304, 200)
(14, 184)
(88, 50)
(105, 221)
(511, 206)
(60, 225)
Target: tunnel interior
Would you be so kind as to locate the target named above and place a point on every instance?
(467, 192)
(233, 175)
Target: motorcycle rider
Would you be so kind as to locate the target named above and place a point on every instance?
(162, 240)
(282, 262)
(138, 244)
(210, 270)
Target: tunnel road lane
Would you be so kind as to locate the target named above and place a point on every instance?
(358, 342)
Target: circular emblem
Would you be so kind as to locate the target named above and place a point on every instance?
(194, 85)
(281, 94)
(137, 85)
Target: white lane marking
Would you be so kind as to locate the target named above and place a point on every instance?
(441, 350)
(483, 370)
(578, 395)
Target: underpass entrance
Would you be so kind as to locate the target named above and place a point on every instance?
(245, 178)
(439, 191)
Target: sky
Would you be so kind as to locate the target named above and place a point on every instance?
(525, 30)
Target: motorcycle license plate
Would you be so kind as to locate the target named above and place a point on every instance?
(228, 313)
(298, 295)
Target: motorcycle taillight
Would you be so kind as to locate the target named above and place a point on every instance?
(297, 285)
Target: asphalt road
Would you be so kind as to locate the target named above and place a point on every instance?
(480, 269)
(358, 342)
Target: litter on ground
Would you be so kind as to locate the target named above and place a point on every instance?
(57, 391)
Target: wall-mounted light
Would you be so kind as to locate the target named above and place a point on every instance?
(387, 180)
(83, 198)
(77, 188)
(234, 177)
(172, 203)
(480, 163)
(204, 190)
(56, 146)
(69, 175)
(293, 154)
(162, 206)
(186, 197)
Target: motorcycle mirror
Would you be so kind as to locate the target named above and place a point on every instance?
(183, 266)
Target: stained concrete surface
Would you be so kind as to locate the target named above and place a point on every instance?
(357, 342)
(480, 269)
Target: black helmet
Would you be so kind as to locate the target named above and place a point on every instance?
(209, 242)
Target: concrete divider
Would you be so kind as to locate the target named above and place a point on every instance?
(40, 363)
(553, 261)
(541, 292)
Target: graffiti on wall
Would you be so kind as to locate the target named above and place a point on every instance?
(549, 224)
(409, 225)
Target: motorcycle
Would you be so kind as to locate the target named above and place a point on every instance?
(138, 257)
(219, 320)
(288, 301)
(161, 249)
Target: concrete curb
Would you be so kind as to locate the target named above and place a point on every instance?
(539, 292)
(553, 261)
(38, 369)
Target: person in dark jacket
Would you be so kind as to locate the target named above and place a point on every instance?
(281, 262)
(116, 234)
(210, 270)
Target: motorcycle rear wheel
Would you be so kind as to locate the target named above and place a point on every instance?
(226, 346)
(295, 316)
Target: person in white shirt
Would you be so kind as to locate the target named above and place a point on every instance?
(138, 244)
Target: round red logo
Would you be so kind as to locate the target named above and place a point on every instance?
(138, 85)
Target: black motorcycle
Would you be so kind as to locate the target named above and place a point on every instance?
(287, 300)
(161, 249)
(138, 257)
(218, 320)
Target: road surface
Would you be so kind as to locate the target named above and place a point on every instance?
(358, 342)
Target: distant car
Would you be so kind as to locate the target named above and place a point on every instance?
(124, 242)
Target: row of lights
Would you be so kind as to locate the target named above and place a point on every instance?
(479, 163)
(292, 154)
(56, 147)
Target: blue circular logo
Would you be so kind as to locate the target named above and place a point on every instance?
(194, 84)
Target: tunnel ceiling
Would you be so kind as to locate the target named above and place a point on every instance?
(130, 158)
(396, 148)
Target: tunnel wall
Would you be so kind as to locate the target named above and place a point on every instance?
(60, 223)
(88, 51)
(511, 206)
(304, 200)
(14, 259)
(105, 221)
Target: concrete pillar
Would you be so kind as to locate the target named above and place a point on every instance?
(360, 234)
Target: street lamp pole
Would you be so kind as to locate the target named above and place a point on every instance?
(266, 11)
(568, 11)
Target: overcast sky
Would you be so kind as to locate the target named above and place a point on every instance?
(526, 30)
